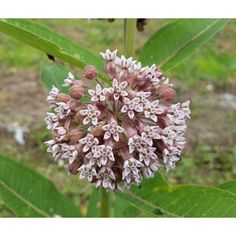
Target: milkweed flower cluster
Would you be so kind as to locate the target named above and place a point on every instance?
(126, 132)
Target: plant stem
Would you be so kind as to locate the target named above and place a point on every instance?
(129, 36)
(105, 203)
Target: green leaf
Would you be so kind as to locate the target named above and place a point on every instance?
(123, 208)
(177, 40)
(160, 199)
(54, 75)
(229, 186)
(49, 42)
(28, 194)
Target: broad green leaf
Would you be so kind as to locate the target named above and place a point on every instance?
(28, 194)
(229, 186)
(177, 40)
(123, 208)
(55, 74)
(50, 42)
(161, 199)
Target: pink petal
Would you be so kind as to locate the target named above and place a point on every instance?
(94, 98)
(123, 84)
(102, 98)
(116, 96)
(120, 129)
(91, 92)
(94, 121)
(114, 83)
(131, 114)
(124, 93)
(124, 109)
(107, 135)
(86, 148)
(83, 112)
(86, 120)
(105, 127)
(116, 137)
(98, 88)
(154, 118)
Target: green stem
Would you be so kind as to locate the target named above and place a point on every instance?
(129, 36)
(105, 203)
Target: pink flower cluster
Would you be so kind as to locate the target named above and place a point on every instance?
(126, 132)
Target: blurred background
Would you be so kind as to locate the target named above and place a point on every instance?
(207, 78)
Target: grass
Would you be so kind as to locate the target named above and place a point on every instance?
(204, 161)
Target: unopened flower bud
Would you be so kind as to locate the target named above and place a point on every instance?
(73, 105)
(75, 135)
(90, 72)
(73, 168)
(97, 131)
(62, 97)
(167, 93)
(76, 92)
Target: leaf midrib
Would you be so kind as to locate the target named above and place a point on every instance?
(187, 43)
(21, 198)
(150, 204)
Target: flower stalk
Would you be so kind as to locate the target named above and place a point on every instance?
(105, 203)
(129, 36)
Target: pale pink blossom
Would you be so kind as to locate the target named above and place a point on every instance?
(98, 94)
(150, 133)
(59, 133)
(91, 115)
(52, 97)
(89, 142)
(131, 172)
(62, 109)
(131, 106)
(109, 55)
(87, 171)
(106, 178)
(102, 154)
(152, 110)
(51, 120)
(118, 90)
(69, 80)
(147, 155)
(112, 130)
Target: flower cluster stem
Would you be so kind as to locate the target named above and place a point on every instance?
(129, 36)
(105, 203)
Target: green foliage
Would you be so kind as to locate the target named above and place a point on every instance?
(157, 197)
(177, 40)
(54, 74)
(28, 194)
(119, 206)
(228, 186)
(49, 42)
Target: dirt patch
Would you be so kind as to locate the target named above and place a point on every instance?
(22, 98)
